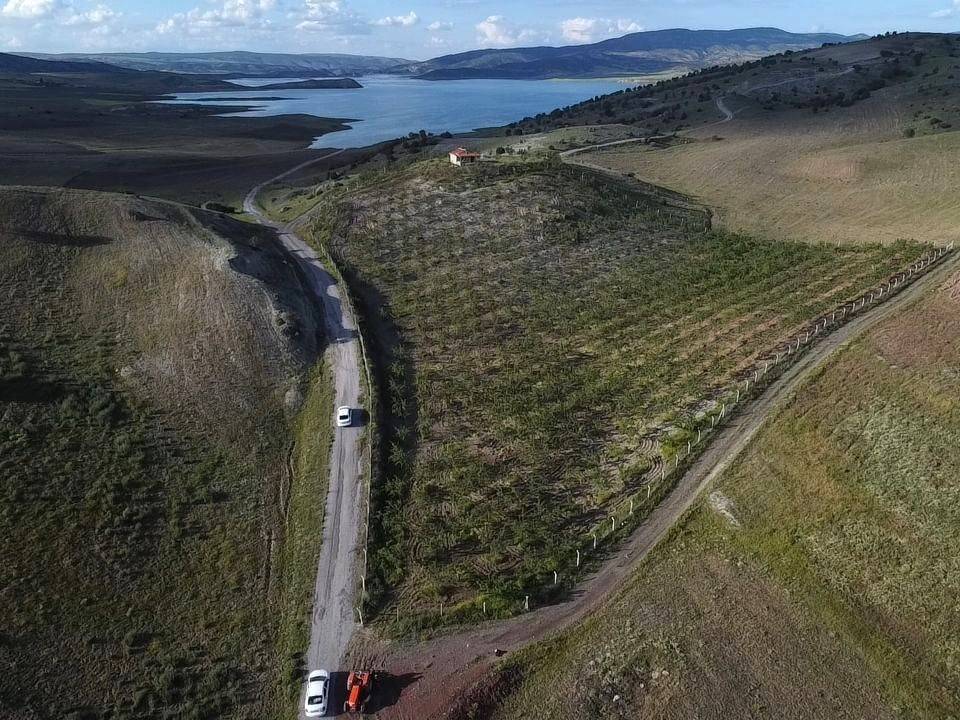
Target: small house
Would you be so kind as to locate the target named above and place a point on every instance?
(462, 156)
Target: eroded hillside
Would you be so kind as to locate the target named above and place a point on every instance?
(153, 360)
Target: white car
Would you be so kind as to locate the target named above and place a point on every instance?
(343, 416)
(318, 690)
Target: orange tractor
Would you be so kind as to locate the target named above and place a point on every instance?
(359, 689)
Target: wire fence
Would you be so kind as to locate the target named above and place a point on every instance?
(630, 511)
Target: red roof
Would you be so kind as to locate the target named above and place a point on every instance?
(464, 153)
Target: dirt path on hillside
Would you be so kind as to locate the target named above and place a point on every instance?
(440, 672)
(333, 615)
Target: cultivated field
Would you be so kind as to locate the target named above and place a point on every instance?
(819, 576)
(874, 166)
(158, 526)
(540, 331)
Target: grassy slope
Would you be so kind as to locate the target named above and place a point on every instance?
(536, 332)
(850, 173)
(147, 369)
(834, 595)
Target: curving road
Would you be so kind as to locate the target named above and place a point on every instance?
(332, 618)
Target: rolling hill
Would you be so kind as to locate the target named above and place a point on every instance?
(154, 361)
(641, 53)
(241, 63)
(26, 64)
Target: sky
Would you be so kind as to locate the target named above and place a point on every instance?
(417, 29)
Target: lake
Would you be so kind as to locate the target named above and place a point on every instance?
(389, 106)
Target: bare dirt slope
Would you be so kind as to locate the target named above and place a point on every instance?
(152, 363)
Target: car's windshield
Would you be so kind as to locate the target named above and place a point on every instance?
(315, 699)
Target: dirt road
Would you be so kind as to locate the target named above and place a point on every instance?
(333, 618)
(441, 671)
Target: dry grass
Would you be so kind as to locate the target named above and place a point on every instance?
(151, 366)
(847, 175)
(833, 594)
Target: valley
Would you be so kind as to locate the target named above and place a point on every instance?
(651, 400)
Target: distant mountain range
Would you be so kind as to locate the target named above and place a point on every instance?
(642, 53)
(241, 63)
(24, 64)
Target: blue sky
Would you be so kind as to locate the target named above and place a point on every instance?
(417, 29)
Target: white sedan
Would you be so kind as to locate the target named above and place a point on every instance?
(344, 416)
(318, 689)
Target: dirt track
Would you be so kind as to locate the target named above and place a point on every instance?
(441, 671)
(333, 617)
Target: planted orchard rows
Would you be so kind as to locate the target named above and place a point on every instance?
(628, 516)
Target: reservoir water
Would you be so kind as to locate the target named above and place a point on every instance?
(389, 106)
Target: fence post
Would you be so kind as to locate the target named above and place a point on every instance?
(526, 602)
(360, 615)
(578, 558)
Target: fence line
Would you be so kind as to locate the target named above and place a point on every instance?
(622, 520)
(740, 394)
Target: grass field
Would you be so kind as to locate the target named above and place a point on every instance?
(159, 527)
(539, 332)
(879, 169)
(827, 585)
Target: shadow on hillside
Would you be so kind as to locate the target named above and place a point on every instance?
(52, 238)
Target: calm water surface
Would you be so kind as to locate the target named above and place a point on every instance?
(388, 107)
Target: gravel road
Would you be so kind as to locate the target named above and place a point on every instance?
(333, 616)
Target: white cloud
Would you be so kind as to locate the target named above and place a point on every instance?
(31, 9)
(440, 26)
(331, 16)
(407, 20)
(586, 30)
(947, 12)
(229, 13)
(99, 16)
(497, 32)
